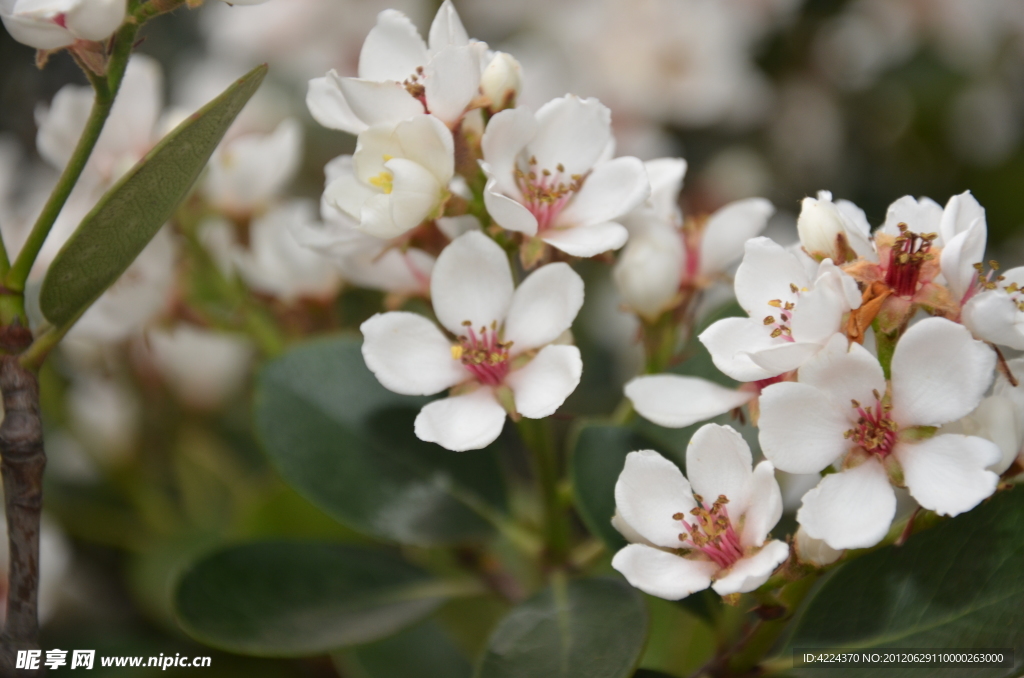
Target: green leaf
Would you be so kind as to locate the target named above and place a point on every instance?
(125, 219)
(587, 628)
(289, 598)
(957, 585)
(347, 444)
(423, 651)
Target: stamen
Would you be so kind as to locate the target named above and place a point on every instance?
(483, 354)
(908, 254)
(711, 532)
(546, 193)
(875, 430)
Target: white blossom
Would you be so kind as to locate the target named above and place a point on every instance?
(52, 24)
(549, 176)
(503, 352)
(834, 230)
(842, 412)
(711, 530)
(202, 367)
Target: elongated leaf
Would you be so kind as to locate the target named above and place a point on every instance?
(588, 628)
(958, 585)
(423, 651)
(125, 219)
(285, 598)
(347, 444)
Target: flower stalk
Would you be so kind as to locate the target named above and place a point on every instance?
(539, 440)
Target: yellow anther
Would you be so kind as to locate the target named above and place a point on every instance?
(383, 181)
(457, 352)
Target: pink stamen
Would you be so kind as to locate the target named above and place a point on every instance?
(875, 431)
(546, 193)
(907, 256)
(483, 354)
(712, 532)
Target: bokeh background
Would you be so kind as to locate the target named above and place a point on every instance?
(148, 432)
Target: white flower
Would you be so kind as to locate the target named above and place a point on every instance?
(365, 260)
(841, 411)
(792, 313)
(548, 176)
(202, 367)
(834, 230)
(400, 174)
(401, 76)
(501, 81)
(708, 531)
(246, 173)
(662, 257)
(274, 262)
(503, 352)
(52, 24)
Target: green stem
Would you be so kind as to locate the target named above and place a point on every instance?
(539, 439)
(106, 92)
(766, 633)
(885, 343)
(660, 339)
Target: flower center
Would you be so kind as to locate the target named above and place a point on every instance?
(780, 326)
(545, 192)
(991, 281)
(909, 252)
(711, 532)
(415, 88)
(875, 430)
(483, 354)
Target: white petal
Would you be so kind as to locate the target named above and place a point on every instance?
(471, 281)
(393, 49)
(446, 28)
(993, 316)
(589, 240)
(728, 229)
(425, 140)
(649, 270)
(506, 135)
(784, 356)
(961, 211)
(348, 195)
(328, 107)
(920, 216)
(663, 574)
(718, 462)
(845, 372)
(819, 312)
(470, 421)
(37, 32)
(415, 193)
(96, 20)
(765, 274)
(545, 382)
(947, 474)
(508, 213)
(676, 401)
(627, 531)
(543, 307)
(452, 80)
(852, 509)
(379, 102)
(749, 573)
(666, 177)
(609, 191)
(764, 505)
(409, 355)
(731, 341)
(814, 551)
(939, 373)
(649, 491)
(959, 256)
(996, 420)
(800, 429)
(572, 132)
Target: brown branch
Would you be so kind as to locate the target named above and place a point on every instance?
(22, 461)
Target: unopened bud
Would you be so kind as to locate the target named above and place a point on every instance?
(501, 81)
(814, 551)
(821, 229)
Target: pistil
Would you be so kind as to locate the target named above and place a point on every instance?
(711, 532)
(908, 254)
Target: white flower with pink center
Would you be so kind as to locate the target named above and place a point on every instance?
(711, 530)
(792, 313)
(842, 412)
(549, 176)
(52, 24)
(401, 76)
(499, 356)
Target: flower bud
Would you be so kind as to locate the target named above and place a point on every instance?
(814, 551)
(53, 24)
(822, 231)
(501, 81)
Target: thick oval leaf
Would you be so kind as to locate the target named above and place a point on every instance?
(125, 219)
(423, 651)
(284, 598)
(588, 628)
(347, 444)
(957, 585)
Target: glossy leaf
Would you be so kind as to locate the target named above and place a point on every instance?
(957, 585)
(423, 651)
(128, 216)
(587, 628)
(347, 444)
(286, 598)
